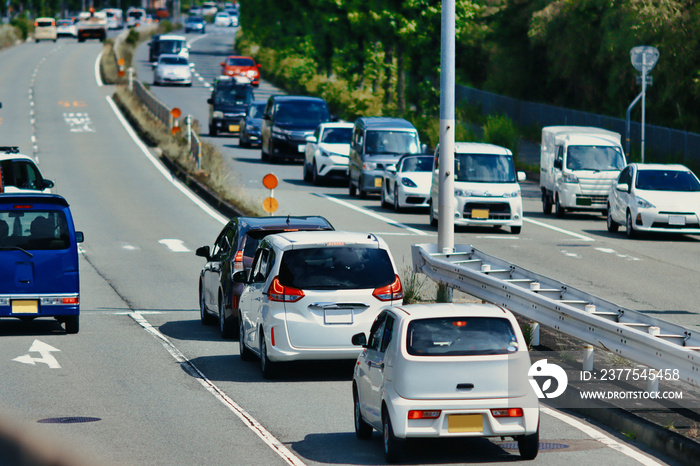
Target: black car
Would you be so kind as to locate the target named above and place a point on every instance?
(287, 122)
(195, 24)
(233, 251)
(153, 51)
(228, 103)
(251, 124)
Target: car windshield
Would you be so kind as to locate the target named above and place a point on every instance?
(667, 180)
(392, 142)
(34, 230)
(597, 158)
(20, 174)
(234, 95)
(302, 112)
(337, 135)
(195, 19)
(170, 46)
(240, 62)
(256, 111)
(484, 168)
(173, 61)
(460, 336)
(337, 268)
(417, 164)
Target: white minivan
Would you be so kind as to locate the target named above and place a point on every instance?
(486, 187)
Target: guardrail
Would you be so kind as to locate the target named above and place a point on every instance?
(627, 333)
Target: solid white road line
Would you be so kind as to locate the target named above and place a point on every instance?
(601, 437)
(560, 230)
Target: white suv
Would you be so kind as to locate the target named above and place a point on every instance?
(307, 293)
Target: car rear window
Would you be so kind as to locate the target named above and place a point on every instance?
(44, 23)
(34, 230)
(336, 268)
(461, 336)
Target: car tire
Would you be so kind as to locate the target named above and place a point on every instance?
(316, 179)
(307, 173)
(267, 367)
(227, 326)
(242, 142)
(352, 190)
(382, 197)
(529, 445)
(397, 207)
(362, 429)
(558, 209)
(263, 154)
(629, 226)
(392, 445)
(515, 230)
(72, 324)
(246, 354)
(613, 226)
(212, 131)
(361, 192)
(546, 203)
(204, 316)
(433, 218)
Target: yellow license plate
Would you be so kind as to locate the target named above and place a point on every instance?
(233, 128)
(377, 182)
(25, 307)
(480, 213)
(465, 423)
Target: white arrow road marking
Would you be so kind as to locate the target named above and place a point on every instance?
(175, 245)
(46, 357)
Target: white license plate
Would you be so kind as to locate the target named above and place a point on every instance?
(676, 220)
(302, 147)
(337, 316)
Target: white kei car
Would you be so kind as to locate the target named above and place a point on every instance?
(308, 292)
(407, 184)
(655, 198)
(445, 370)
(20, 174)
(327, 152)
(172, 69)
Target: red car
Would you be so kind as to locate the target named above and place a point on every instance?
(241, 66)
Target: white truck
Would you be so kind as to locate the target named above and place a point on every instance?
(578, 165)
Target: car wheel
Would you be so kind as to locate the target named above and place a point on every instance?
(263, 154)
(433, 218)
(352, 190)
(315, 177)
(546, 203)
(383, 197)
(362, 429)
(558, 209)
(629, 227)
(613, 226)
(397, 207)
(212, 131)
(307, 173)
(529, 445)
(392, 445)
(242, 142)
(515, 230)
(204, 316)
(226, 325)
(268, 368)
(361, 192)
(72, 324)
(246, 354)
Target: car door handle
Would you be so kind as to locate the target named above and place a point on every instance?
(378, 365)
(465, 386)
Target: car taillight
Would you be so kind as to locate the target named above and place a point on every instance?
(74, 300)
(507, 412)
(285, 294)
(238, 262)
(424, 414)
(389, 292)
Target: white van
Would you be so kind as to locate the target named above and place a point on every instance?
(173, 44)
(45, 29)
(487, 192)
(578, 165)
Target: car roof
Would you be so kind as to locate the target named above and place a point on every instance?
(240, 56)
(480, 148)
(380, 122)
(336, 124)
(171, 37)
(660, 166)
(5, 156)
(284, 221)
(301, 239)
(421, 311)
(33, 198)
(296, 98)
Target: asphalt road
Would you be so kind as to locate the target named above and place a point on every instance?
(159, 387)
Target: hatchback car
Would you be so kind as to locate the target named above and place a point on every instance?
(66, 28)
(655, 198)
(222, 19)
(195, 24)
(228, 103)
(249, 134)
(327, 152)
(487, 192)
(444, 370)
(307, 293)
(407, 184)
(19, 173)
(39, 252)
(45, 29)
(287, 122)
(233, 251)
(241, 66)
(172, 69)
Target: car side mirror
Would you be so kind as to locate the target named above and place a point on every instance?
(391, 168)
(267, 117)
(258, 65)
(240, 277)
(222, 64)
(522, 176)
(154, 64)
(210, 101)
(623, 187)
(79, 237)
(359, 339)
(48, 184)
(311, 139)
(203, 252)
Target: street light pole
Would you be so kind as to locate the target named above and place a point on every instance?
(644, 59)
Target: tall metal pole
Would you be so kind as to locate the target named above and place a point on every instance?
(446, 210)
(644, 98)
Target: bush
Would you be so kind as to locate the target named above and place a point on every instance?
(500, 130)
(132, 38)
(8, 35)
(23, 25)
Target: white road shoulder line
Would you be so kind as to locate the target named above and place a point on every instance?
(601, 437)
(271, 441)
(560, 230)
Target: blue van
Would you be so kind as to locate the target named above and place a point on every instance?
(39, 259)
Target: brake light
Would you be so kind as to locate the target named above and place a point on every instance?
(238, 262)
(507, 412)
(389, 292)
(423, 414)
(22, 206)
(285, 294)
(74, 300)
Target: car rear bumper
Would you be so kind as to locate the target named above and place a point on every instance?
(38, 305)
(292, 148)
(227, 125)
